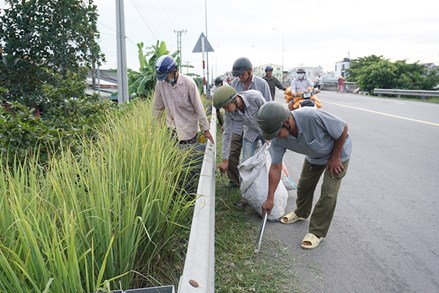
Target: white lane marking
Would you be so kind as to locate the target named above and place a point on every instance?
(385, 114)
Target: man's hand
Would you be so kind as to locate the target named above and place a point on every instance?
(224, 166)
(335, 166)
(208, 135)
(267, 206)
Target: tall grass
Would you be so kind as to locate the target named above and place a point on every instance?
(96, 220)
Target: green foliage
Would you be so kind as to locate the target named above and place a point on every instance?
(376, 72)
(108, 218)
(199, 82)
(41, 39)
(22, 133)
(46, 48)
(142, 83)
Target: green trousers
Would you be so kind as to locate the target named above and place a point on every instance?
(323, 212)
(235, 153)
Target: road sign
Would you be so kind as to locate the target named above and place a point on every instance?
(198, 46)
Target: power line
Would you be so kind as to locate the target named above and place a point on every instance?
(143, 19)
(115, 33)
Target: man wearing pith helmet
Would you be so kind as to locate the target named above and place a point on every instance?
(244, 80)
(272, 81)
(240, 108)
(324, 140)
(179, 95)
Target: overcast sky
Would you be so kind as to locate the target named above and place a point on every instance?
(314, 32)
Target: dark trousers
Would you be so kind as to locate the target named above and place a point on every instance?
(323, 212)
(235, 153)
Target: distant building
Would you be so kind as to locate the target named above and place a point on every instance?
(103, 83)
(429, 66)
(341, 67)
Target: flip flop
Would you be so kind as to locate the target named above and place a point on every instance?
(291, 218)
(242, 203)
(311, 238)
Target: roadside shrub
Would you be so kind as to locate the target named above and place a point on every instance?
(22, 132)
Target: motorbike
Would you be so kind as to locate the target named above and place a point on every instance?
(302, 99)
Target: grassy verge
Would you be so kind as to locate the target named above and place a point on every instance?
(237, 267)
(111, 217)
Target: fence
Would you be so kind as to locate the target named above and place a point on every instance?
(411, 93)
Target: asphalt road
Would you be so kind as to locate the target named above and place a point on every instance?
(384, 235)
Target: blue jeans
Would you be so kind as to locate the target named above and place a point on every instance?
(249, 148)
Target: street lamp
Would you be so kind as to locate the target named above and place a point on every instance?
(283, 50)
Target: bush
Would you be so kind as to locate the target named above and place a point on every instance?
(22, 133)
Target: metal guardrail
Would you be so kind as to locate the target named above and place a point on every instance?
(199, 267)
(414, 93)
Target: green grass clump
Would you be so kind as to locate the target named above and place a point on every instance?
(114, 216)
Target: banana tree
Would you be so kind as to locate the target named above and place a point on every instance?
(142, 82)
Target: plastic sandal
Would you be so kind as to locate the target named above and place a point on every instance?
(312, 239)
(291, 218)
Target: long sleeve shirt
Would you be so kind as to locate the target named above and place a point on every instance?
(257, 83)
(253, 101)
(185, 111)
(300, 85)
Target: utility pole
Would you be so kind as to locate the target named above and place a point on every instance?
(283, 51)
(122, 73)
(179, 47)
(207, 53)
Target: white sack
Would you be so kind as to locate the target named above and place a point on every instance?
(254, 184)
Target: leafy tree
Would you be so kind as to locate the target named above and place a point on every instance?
(42, 39)
(377, 75)
(376, 72)
(356, 65)
(47, 48)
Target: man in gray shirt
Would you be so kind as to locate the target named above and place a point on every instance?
(244, 80)
(325, 141)
(239, 107)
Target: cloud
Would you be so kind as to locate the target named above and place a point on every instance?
(308, 33)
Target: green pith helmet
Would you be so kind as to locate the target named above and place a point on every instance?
(223, 95)
(240, 66)
(271, 117)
